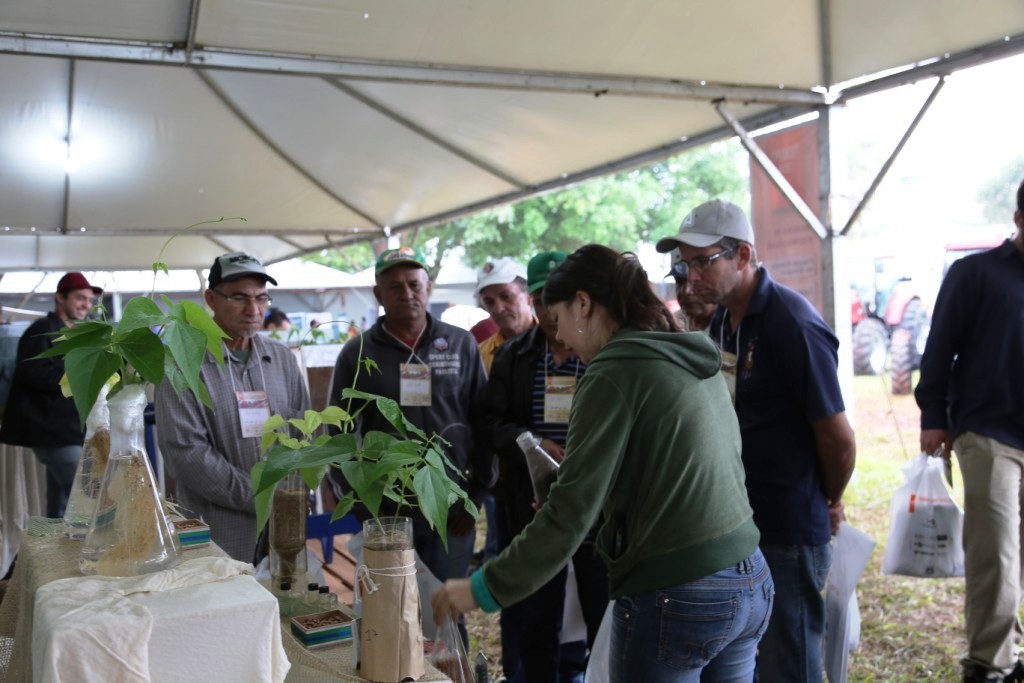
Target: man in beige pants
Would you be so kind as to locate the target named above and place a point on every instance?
(971, 396)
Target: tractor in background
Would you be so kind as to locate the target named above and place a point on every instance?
(890, 323)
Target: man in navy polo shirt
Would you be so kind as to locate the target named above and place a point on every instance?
(971, 396)
(780, 359)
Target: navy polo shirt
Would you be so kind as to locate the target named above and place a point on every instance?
(786, 378)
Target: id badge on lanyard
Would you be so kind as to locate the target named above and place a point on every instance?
(558, 393)
(253, 411)
(729, 361)
(414, 386)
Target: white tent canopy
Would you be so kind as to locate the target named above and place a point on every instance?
(323, 122)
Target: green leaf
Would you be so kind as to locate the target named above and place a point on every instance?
(313, 420)
(313, 476)
(389, 409)
(187, 346)
(198, 318)
(376, 443)
(369, 490)
(281, 459)
(273, 423)
(92, 334)
(334, 415)
(88, 370)
(139, 312)
(159, 267)
(145, 352)
(432, 496)
(343, 506)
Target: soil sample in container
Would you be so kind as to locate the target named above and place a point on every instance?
(288, 531)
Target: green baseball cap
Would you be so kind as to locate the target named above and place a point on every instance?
(540, 266)
(410, 256)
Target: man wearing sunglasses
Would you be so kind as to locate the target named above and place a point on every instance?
(209, 452)
(798, 447)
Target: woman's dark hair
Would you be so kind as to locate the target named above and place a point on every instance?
(616, 281)
(1020, 197)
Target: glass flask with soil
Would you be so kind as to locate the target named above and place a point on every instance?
(130, 533)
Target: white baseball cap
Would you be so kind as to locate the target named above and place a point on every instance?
(500, 271)
(709, 223)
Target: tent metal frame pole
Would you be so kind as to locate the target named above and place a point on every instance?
(258, 132)
(173, 54)
(425, 134)
(893, 156)
(772, 171)
(193, 27)
(825, 31)
(66, 213)
(767, 118)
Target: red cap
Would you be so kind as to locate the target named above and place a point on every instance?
(72, 281)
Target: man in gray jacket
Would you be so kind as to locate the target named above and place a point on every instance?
(209, 452)
(435, 373)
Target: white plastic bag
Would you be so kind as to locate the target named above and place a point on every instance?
(926, 532)
(850, 556)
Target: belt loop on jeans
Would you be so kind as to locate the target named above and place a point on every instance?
(745, 566)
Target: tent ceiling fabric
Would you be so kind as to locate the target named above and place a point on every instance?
(386, 116)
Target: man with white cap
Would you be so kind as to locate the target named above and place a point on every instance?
(209, 452)
(38, 414)
(798, 447)
(501, 291)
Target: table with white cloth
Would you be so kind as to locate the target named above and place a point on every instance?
(224, 627)
(22, 495)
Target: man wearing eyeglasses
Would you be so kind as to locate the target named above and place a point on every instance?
(38, 415)
(209, 452)
(798, 447)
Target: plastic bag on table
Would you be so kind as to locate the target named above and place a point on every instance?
(926, 531)
(449, 655)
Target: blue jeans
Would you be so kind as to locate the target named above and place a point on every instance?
(791, 648)
(61, 463)
(704, 630)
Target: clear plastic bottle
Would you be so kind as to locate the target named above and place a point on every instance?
(543, 468)
(328, 600)
(89, 474)
(284, 599)
(312, 596)
(480, 672)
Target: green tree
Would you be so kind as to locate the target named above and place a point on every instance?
(622, 210)
(998, 196)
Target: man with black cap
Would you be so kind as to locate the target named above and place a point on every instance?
(38, 415)
(433, 370)
(780, 360)
(209, 452)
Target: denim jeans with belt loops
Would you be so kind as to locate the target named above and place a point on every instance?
(703, 630)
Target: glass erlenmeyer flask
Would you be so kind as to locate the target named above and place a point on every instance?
(89, 476)
(130, 534)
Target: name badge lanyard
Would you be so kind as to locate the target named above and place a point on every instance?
(253, 406)
(730, 360)
(414, 387)
(558, 391)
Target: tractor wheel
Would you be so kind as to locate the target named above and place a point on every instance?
(870, 347)
(915, 319)
(902, 350)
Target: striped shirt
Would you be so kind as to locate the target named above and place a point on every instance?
(545, 367)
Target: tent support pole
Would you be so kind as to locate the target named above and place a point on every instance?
(67, 142)
(772, 171)
(892, 157)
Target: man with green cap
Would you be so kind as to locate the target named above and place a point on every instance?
(530, 388)
(433, 370)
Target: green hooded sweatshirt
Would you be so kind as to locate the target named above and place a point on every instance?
(653, 451)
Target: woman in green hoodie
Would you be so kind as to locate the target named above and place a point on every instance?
(653, 451)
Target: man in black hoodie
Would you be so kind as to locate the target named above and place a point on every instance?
(38, 415)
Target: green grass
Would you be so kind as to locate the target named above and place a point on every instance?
(911, 629)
